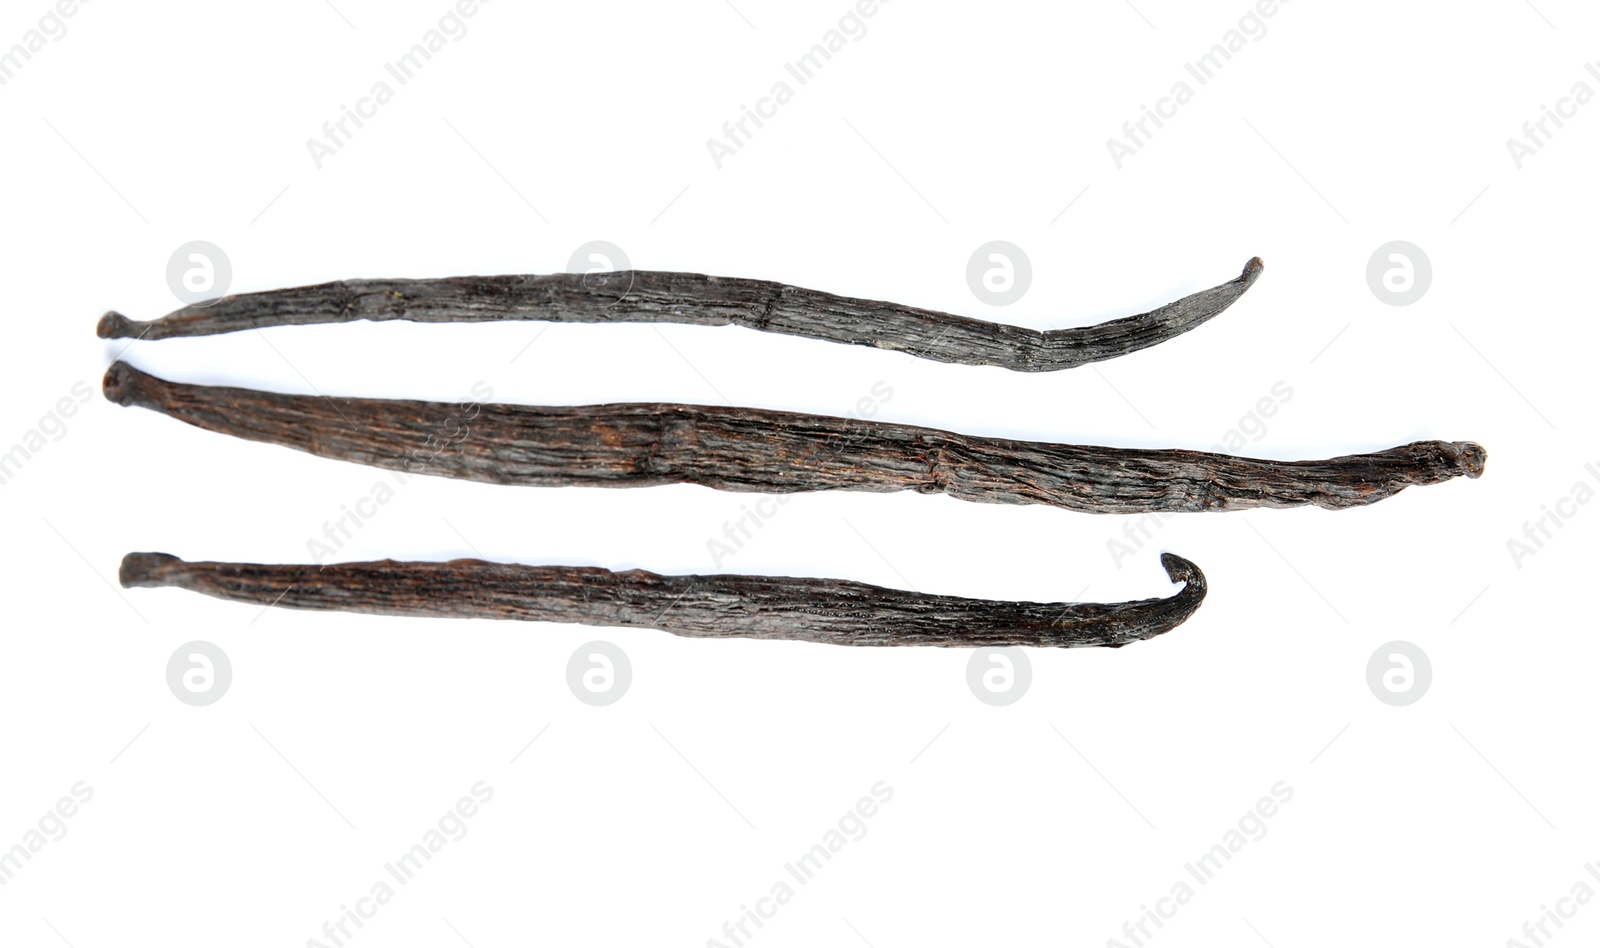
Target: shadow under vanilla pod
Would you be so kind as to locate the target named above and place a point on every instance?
(778, 452)
(645, 296)
(824, 611)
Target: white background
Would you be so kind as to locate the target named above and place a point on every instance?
(343, 739)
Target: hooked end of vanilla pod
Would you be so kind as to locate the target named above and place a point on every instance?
(144, 569)
(1470, 458)
(1252, 270)
(120, 381)
(114, 325)
(1180, 570)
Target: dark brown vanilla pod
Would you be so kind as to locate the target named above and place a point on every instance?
(747, 449)
(645, 296)
(827, 611)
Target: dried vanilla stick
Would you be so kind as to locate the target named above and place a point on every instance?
(748, 449)
(827, 611)
(645, 296)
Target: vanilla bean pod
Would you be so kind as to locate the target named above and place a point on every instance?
(828, 611)
(644, 296)
(747, 449)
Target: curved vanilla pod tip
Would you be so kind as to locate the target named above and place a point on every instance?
(646, 296)
(776, 452)
(825, 611)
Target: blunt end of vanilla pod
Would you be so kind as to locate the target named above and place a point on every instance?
(144, 569)
(1471, 458)
(114, 325)
(119, 383)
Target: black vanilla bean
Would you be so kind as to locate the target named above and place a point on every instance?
(747, 449)
(644, 296)
(827, 611)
